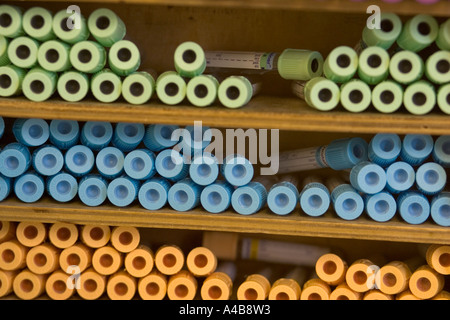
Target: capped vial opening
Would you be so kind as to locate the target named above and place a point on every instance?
(102, 22)
(389, 279)
(168, 163)
(233, 93)
(5, 20)
(343, 60)
(35, 131)
(204, 170)
(124, 54)
(325, 95)
(419, 98)
(358, 151)
(405, 66)
(169, 260)
(314, 296)
(136, 89)
(282, 296)
(90, 285)
(401, 176)
(189, 56)
(106, 260)
(386, 25)
(431, 177)
(130, 130)
(349, 205)
(214, 292)
(387, 97)
(40, 260)
(30, 232)
(387, 145)
(201, 91)
(139, 263)
(372, 178)
(92, 192)
(8, 255)
(23, 52)
(138, 164)
(152, 288)
(181, 291)
(73, 259)
(29, 188)
(171, 89)
(423, 284)
(214, 198)
(245, 200)
(424, 28)
(355, 96)
(84, 56)
(96, 233)
(200, 261)
(52, 55)
(59, 286)
(444, 259)
(315, 201)
(448, 98)
(181, 196)
(72, 87)
(106, 87)
(63, 234)
(65, 24)
(443, 66)
(121, 192)
(239, 171)
(166, 132)
(37, 21)
(329, 267)
(446, 147)
(251, 294)
(110, 160)
(125, 238)
(314, 65)
(98, 131)
(5, 81)
(49, 161)
(152, 195)
(281, 200)
(79, 159)
(12, 163)
(360, 277)
(26, 285)
(415, 209)
(418, 143)
(382, 206)
(374, 60)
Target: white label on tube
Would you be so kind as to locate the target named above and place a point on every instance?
(301, 160)
(240, 60)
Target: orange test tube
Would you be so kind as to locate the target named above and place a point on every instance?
(28, 285)
(425, 282)
(6, 282)
(169, 259)
(78, 255)
(13, 255)
(315, 289)
(438, 257)
(182, 286)
(219, 285)
(63, 235)
(125, 239)
(92, 284)
(7, 230)
(201, 261)
(331, 268)
(31, 234)
(153, 286)
(56, 286)
(95, 236)
(107, 260)
(43, 259)
(121, 286)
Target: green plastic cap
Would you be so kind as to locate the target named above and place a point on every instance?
(23, 52)
(61, 23)
(73, 86)
(189, 59)
(4, 60)
(356, 95)
(322, 94)
(37, 23)
(443, 38)
(418, 33)
(170, 88)
(11, 21)
(124, 57)
(39, 84)
(106, 86)
(419, 97)
(11, 78)
(201, 90)
(138, 87)
(295, 64)
(341, 64)
(437, 67)
(390, 29)
(88, 56)
(443, 98)
(53, 55)
(406, 67)
(373, 65)
(387, 96)
(235, 92)
(106, 27)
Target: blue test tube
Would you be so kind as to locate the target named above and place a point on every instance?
(184, 195)
(441, 151)
(47, 160)
(384, 149)
(368, 177)
(170, 164)
(153, 193)
(31, 132)
(283, 197)
(431, 178)
(381, 206)
(413, 207)
(159, 136)
(237, 170)
(29, 187)
(194, 139)
(347, 201)
(15, 159)
(440, 209)
(79, 160)
(122, 191)
(64, 134)
(416, 148)
(96, 135)
(400, 176)
(5, 187)
(92, 190)
(249, 199)
(216, 197)
(128, 136)
(314, 198)
(204, 169)
(109, 162)
(139, 164)
(62, 187)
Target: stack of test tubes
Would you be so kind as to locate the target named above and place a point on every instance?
(399, 64)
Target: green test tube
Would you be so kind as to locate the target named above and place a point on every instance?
(73, 86)
(443, 98)
(106, 86)
(201, 90)
(106, 27)
(11, 21)
(373, 65)
(189, 59)
(418, 33)
(53, 55)
(88, 56)
(385, 37)
(387, 96)
(437, 67)
(4, 60)
(443, 38)
(406, 67)
(341, 64)
(236, 91)
(11, 78)
(70, 27)
(124, 57)
(39, 84)
(171, 88)
(23, 52)
(356, 95)
(419, 97)
(319, 93)
(138, 87)
(37, 23)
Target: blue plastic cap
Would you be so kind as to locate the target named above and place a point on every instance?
(431, 178)
(381, 206)
(249, 199)
(184, 195)
(171, 165)
(153, 193)
(127, 136)
(109, 162)
(347, 202)
(31, 132)
(345, 153)
(413, 207)
(204, 169)
(400, 176)
(315, 199)
(29, 187)
(92, 190)
(237, 170)
(47, 160)
(64, 133)
(15, 160)
(5, 187)
(440, 209)
(282, 198)
(122, 191)
(96, 135)
(416, 148)
(441, 151)
(159, 137)
(139, 164)
(368, 177)
(194, 140)
(2, 127)
(79, 160)
(216, 197)
(384, 148)
(62, 187)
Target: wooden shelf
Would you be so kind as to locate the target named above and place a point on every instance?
(268, 112)
(263, 222)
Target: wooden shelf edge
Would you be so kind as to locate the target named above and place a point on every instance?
(264, 222)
